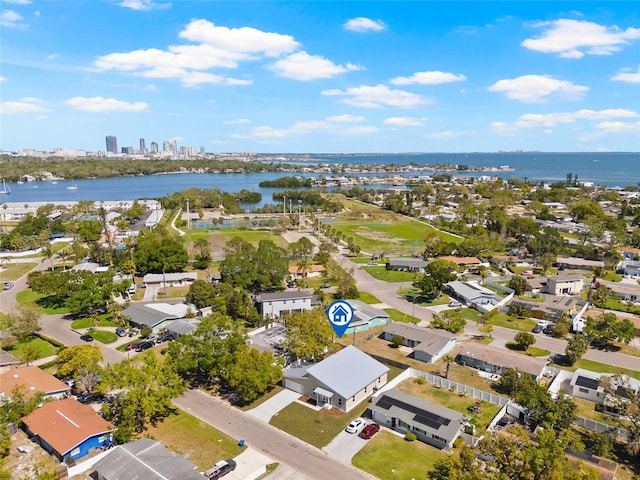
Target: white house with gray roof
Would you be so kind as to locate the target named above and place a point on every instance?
(431, 423)
(472, 293)
(429, 344)
(277, 304)
(144, 459)
(406, 264)
(156, 316)
(340, 381)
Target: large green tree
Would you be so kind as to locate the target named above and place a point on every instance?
(309, 334)
(157, 251)
(253, 372)
(608, 328)
(146, 387)
(82, 364)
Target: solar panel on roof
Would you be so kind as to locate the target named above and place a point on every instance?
(421, 416)
(587, 383)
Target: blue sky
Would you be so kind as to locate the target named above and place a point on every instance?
(321, 76)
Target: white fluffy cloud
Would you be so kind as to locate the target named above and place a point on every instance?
(24, 105)
(538, 88)
(345, 118)
(627, 75)
(428, 78)
(405, 121)
(549, 120)
(377, 96)
(101, 104)
(577, 38)
(619, 127)
(11, 19)
(144, 5)
(302, 66)
(242, 40)
(363, 24)
(221, 47)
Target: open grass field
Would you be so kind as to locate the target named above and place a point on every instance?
(317, 428)
(451, 400)
(197, 441)
(501, 319)
(44, 348)
(172, 292)
(598, 368)
(87, 322)
(391, 457)
(398, 316)
(47, 303)
(218, 238)
(13, 271)
(381, 273)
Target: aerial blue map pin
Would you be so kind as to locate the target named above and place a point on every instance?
(340, 314)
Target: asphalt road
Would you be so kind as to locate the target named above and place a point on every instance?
(310, 462)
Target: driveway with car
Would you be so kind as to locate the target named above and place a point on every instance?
(345, 445)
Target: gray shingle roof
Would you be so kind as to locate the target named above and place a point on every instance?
(430, 340)
(145, 459)
(284, 295)
(142, 315)
(348, 371)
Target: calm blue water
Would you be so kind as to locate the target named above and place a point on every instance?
(602, 168)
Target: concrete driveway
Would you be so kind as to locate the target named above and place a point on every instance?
(266, 410)
(345, 445)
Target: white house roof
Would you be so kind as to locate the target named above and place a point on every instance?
(170, 277)
(471, 290)
(178, 310)
(348, 371)
(284, 295)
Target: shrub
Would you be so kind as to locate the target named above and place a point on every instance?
(410, 437)
(420, 380)
(457, 442)
(396, 341)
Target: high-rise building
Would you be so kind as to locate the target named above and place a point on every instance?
(112, 144)
(143, 148)
(154, 147)
(166, 146)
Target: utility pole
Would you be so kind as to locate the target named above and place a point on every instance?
(284, 205)
(188, 222)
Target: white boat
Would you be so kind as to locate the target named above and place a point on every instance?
(72, 187)
(54, 183)
(5, 189)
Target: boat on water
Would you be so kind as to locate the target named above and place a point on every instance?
(73, 186)
(54, 183)
(5, 189)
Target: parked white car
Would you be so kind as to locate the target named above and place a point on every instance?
(354, 426)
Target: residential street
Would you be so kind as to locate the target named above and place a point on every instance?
(386, 293)
(310, 462)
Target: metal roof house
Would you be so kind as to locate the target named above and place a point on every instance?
(145, 459)
(340, 381)
(429, 344)
(176, 279)
(68, 429)
(431, 423)
(472, 293)
(150, 316)
(276, 304)
(406, 264)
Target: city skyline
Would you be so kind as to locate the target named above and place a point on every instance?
(321, 76)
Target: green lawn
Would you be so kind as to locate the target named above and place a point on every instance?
(104, 321)
(501, 319)
(469, 314)
(381, 273)
(44, 348)
(13, 271)
(190, 437)
(598, 368)
(368, 298)
(531, 351)
(412, 294)
(49, 303)
(223, 235)
(104, 336)
(452, 400)
(388, 456)
(614, 303)
(317, 428)
(398, 316)
(172, 292)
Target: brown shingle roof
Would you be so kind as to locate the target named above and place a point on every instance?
(34, 380)
(65, 424)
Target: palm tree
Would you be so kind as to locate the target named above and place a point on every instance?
(447, 359)
(304, 264)
(482, 270)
